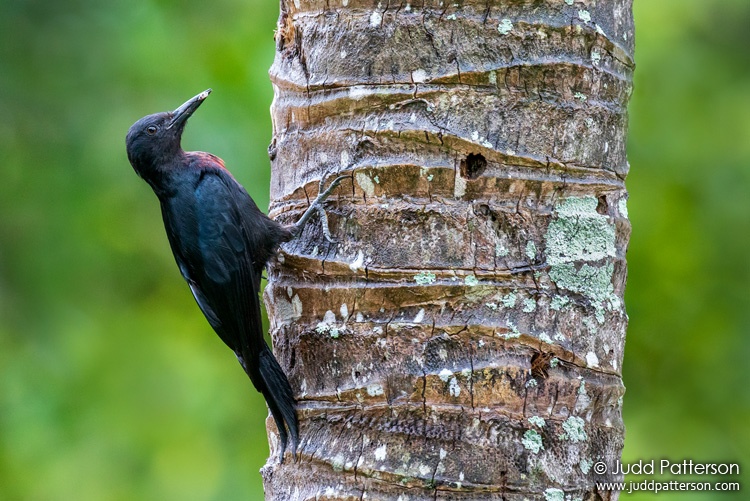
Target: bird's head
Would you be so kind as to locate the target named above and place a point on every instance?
(154, 140)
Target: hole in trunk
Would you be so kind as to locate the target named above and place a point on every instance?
(602, 207)
(473, 166)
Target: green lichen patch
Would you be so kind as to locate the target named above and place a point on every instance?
(559, 302)
(529, 305)
(512, 333)
(537, 421)
(554, 494)
(505, 26)
(530, 250)
(594, 282)
(425, 278)
(471, 280)
(509, 300)
(500, 250)
(532, 441)
(328, 325)
(575, 429)
(579, 234)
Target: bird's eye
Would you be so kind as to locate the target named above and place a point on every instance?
(151, 129)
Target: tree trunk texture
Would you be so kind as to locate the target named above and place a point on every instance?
(462, 337)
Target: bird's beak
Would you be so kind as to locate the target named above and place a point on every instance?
(181, 114)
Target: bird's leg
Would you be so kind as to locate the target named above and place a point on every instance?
(324, 224)
(317, 206)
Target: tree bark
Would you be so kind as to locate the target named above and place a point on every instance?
(462, 338)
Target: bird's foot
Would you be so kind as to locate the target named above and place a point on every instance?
(317, 206)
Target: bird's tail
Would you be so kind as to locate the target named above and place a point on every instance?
(274, 386)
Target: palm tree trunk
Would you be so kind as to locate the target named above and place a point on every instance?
(462, 338)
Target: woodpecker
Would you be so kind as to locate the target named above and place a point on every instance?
(222, 242)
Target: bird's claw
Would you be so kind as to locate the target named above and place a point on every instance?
(317, 206)
(331, 187)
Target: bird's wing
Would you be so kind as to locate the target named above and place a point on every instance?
(224, 283)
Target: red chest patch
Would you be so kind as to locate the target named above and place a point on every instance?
(205, 160)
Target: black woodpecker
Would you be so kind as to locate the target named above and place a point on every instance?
(221, 242)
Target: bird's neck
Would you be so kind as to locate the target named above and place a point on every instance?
(159, 172)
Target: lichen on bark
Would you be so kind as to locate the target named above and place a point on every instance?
(462, 337)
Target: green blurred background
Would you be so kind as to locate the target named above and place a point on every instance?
(112, 386)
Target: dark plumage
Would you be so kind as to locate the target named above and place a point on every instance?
(221, 242)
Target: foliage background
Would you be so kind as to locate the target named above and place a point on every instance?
(113, 387)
